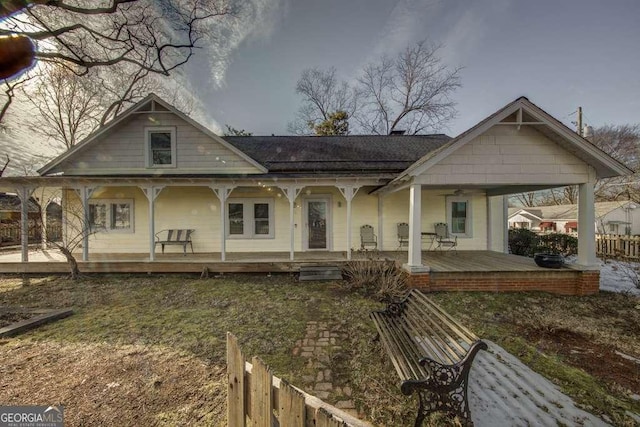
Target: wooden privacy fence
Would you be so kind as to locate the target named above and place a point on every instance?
(618, 246)
(256, 398)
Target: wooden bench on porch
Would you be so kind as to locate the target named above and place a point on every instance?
(431, 352)
(175, 237)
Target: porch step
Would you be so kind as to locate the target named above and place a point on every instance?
(320, 272)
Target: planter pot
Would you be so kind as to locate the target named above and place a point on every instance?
(549, 260)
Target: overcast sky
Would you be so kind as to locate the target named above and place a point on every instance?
(560, 54)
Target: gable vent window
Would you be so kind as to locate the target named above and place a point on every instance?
(161, 147)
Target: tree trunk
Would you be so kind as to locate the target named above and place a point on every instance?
(73, 264)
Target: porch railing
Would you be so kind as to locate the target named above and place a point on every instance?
(618, 246)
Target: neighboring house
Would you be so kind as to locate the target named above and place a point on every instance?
(10, 208)
(155, 168)
(10, 215)
(619, 217)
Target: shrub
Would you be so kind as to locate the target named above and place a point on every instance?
(527, 243)
(522, 241)
(382, 280)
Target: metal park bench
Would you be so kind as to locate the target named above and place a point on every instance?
(175, 237)
(431, 352)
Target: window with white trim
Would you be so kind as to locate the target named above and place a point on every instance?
(160, 143)
(459, 216)
(250, 218)
(111, 215)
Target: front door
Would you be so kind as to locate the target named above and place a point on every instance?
(316, 217)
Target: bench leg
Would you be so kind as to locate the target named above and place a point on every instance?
(446, 389)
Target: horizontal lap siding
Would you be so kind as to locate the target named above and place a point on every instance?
(506, 155)
(396, 210)
(123, 150)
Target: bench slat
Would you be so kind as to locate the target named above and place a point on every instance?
(407, 346)
(392, 347)
(449, 345)
(433, 343)
(446, 317)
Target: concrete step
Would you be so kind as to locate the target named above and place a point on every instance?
(320, 273)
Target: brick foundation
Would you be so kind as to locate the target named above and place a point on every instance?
(563, 282)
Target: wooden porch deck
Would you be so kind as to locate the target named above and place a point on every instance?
(439, 262)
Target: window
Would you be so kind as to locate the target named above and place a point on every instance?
(111, 215)
(250, 218)
(614, 228)
(459, 216)
(160, 147)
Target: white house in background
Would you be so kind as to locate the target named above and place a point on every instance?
(619, 217)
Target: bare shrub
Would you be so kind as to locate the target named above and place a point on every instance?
(629, 270)
(381, 279)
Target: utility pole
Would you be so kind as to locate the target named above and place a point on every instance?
(579, 121)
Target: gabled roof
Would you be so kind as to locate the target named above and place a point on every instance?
(153, 100)
(605, 165)
(11, 203)
(366, 153)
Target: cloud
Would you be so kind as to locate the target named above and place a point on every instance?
(457, 24)
(254, 20)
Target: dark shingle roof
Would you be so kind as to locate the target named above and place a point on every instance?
(11, 203)
(384, 153)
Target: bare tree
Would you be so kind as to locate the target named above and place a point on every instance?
(322, 95)
(411, 92)
(70, 106)
(149, 37)
(4, 168)
(622, 142)
(528, 200)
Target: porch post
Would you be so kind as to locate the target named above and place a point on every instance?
(348, 192)
(223, 191)
(380, 223)
(152, 192)
(85, 193)
(505, 216)
(24, 194)
(415, 226)
(292, 192)
(43, 232)
(586, 225)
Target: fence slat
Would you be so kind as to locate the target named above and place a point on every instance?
(261, 394)
(325, 419)
(292, 406)
(235, 389)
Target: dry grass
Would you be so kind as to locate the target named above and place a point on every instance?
(151, 349)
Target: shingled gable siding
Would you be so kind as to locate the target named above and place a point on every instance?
(123, 150)
(506, 155)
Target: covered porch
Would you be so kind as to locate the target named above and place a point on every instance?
(462, 270)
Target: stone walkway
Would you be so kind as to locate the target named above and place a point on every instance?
(320, 346)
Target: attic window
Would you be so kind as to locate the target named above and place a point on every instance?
(160, 147)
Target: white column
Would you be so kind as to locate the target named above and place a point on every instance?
(380, 222)
(152, 192)
(24, 194)
(586, 225)
(415, 226)
(505, 230)
(85, 193)
(292, 192)
(223, 191)
(348, 192)
(43, 238)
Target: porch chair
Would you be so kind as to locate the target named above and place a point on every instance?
(444, 239)
(367, 237)
(403, 235)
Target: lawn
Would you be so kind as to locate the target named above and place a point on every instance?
(150, 350)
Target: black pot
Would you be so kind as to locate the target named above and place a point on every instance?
(549, 260)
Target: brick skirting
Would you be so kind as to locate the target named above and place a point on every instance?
(563, 282)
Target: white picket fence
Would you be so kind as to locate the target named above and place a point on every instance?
(618, 246)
